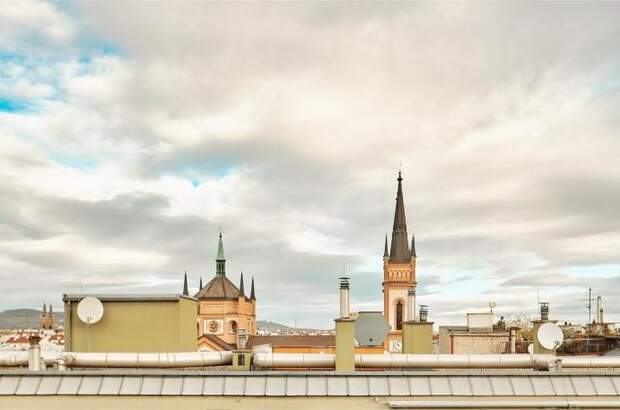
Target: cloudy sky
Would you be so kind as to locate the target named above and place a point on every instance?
(130, 132)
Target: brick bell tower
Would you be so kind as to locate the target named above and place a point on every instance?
(399, 276)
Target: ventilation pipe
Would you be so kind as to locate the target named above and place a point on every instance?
(34, 353)
(411, 311)
(599, 309)
(344, 297)
(513, 340)
(423, 313)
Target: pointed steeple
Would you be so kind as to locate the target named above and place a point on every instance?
(413, 254)
(252, 294)
(220, 260)
(385, 250)
(185, 288)
(50, 309)
(44, 307)
(241, 287)
(200, 284)
(399, 249)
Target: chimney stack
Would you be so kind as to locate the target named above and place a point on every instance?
(599, 309)
(423, 313)
(34, 353)
(411, 304)
(344, 298)
(544, 311)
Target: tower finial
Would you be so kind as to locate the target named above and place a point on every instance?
(220, 259)
(252, 294)
(385, 250)
(185, 288)
(241, 287)
(200, 283)
(413, 254)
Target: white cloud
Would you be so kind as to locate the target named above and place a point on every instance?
(506, 126)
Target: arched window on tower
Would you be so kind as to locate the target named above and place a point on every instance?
(233, 327)
(399, 315)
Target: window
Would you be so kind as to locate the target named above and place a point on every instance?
(233, 327)
(399, 315)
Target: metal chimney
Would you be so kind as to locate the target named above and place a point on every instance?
(411, 304)
(344, 297)
(544, 311)
(34, 353)
(423, 313)
(599, 309)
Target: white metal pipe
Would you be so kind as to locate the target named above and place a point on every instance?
(454, 361)
(294, 360)
(13, 358)
(575, 362)
(504, 404)
(436, 361)
(148, 360)
(513, 340)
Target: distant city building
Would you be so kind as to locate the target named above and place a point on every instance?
(46, 320)
(481, 336)
(399, 273)
(226, 316)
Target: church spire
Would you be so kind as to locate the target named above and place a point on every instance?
(185, 288)
(241, 287)
(200, 283)
(220, 260)
(399, 249)
(252, 294)
(385, 249)
(413, 254)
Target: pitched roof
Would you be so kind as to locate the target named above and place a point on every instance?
(218, 342)
(399, 249)
(220, 287)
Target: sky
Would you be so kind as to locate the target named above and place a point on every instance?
(131, 132)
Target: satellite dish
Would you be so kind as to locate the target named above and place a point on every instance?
(371, 328)
(550, 336)
(530, 348)
(90, 310)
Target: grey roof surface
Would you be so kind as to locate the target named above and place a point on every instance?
(220, 287)
(128, 297)
(275, 384)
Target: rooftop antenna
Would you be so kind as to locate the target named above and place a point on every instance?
(589, 305)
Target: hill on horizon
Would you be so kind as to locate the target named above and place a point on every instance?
(29, 319)
(24, 318)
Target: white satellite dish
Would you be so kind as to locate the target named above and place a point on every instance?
(550, 336)
(90, 310)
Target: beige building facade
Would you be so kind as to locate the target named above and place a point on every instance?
(225, 312)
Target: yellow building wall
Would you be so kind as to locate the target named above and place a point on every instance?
(140, 326)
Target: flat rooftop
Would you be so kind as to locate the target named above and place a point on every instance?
(465, 383)
(127, 297)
